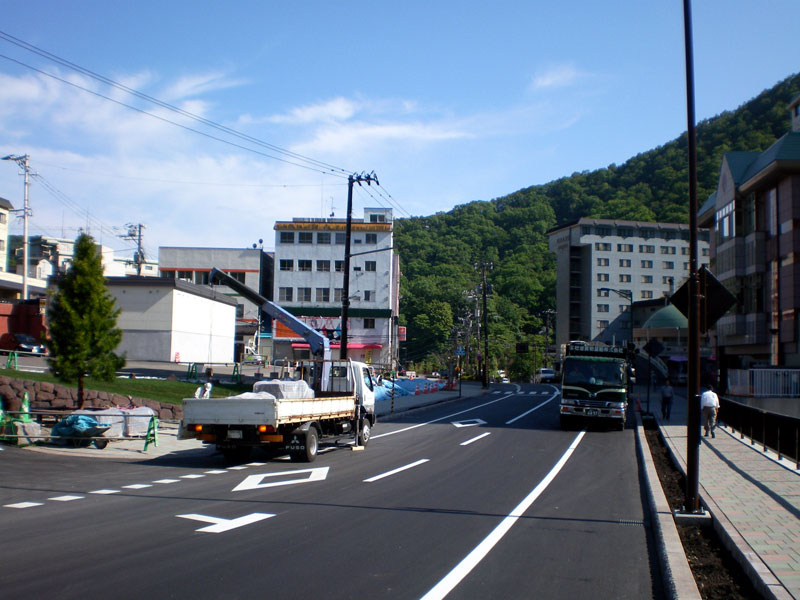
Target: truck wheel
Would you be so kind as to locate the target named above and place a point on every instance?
(364, 432)
(311, 448)
(236, 455)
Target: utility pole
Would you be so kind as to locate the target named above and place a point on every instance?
(135, 235)
(484, 266)
(351, 179)
(22, 161)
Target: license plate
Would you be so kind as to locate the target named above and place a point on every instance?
(592, 412)
(234, 434)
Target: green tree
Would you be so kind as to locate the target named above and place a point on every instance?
(83, 322)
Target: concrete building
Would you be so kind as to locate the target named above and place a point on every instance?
(5, 209)
(171, 320)
(604, 267)
(755, 213)
(250, 266)
(309, 283)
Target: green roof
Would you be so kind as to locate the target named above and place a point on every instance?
(787, 147)
(739, 162)
(668, 317)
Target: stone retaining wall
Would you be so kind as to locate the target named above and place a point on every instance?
(52, 396)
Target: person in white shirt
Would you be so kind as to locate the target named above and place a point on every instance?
(709, 403)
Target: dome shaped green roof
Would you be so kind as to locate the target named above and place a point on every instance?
(667, 317)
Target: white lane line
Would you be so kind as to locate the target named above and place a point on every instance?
(166, 481)
(237, 468)
(527, 412)
(475, 439)
(216, 472)
(22, 505)
(105, 492)
(66, 498)
(137, 486)
(462, 569)
(461, 412)
(192, 476)
(398, 470)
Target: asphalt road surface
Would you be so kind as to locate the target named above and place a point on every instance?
(480, 498)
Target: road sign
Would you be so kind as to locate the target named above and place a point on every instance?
(715, 299)
(654, 347)
(460, 351)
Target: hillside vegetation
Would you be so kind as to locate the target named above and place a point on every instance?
(441, 254)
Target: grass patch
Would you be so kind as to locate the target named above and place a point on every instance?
(158, 390)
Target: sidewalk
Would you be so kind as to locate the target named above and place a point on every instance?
(753, 499)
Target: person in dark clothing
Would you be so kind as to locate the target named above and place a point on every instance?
(666, 400)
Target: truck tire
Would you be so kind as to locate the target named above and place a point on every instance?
(364, 433)
(311, 447)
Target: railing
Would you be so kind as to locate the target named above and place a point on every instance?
(764, 383)
(769, 430)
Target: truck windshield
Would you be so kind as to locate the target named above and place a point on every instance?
(595, 372)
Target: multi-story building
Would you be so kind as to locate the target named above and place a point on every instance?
(309, 283)
(250, 266)
(5, 208)
(604, 266)
(756, 211)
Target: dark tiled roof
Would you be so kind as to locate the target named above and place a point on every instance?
(6, 204)
(787, 148)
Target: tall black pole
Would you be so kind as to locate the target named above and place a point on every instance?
(346, 284)
(693, 419)
(485, 333)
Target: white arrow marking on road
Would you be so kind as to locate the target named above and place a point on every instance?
(222, 525)
(469, 423)
(253, 482)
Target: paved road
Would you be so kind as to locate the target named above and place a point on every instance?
(480, 498)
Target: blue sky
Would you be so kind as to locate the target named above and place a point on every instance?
(447, 102)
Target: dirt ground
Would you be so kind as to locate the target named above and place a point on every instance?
(716, 572)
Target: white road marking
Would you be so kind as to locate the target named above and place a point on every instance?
(137, 486)
(527, 412)
(66, 498)
(462, 569)
(398, 470)
(469, 423)
(166, 481)
(216, 472)
(255, 464)
(253, 482)
(222, 525)
(476, 438)
(105, 492)
(237, 468)
(192, 476)
(446, 418)
(22, 505)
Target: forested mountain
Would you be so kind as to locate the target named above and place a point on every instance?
(441, 255)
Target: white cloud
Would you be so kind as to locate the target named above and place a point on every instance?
(337, 109)
(556, 76)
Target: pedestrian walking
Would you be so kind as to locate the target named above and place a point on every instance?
(666, 400)
(709, 403)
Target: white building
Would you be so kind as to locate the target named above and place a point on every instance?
(309, 283)
(174, 321)
(604, 266)
(5, 208)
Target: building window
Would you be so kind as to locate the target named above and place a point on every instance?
(625, 232)
(303, 265)
(305, 237)
(685, 266)
(285, 294)
(287, 237)
(371, 238)
(339, 238)
(602, 246)
(323, 295)
(704, 251)
(646, 249)
(602, 277)
(602, 262)
(377, 218)
(624, 262)
(369, 323)
(287, 264)
(602, 324)
(185, 275)
(667, 280)
(324, 265)
(647, 294)
(338, 266)
(601, 293)
(602, 308)
(685, 251)
(623, 308)
(201, 277)
(647, 279)
(647, 264)
(625, 278)
(240, 311)
(668, 264)
(370, 266)
(369, 296)
(624, 247)
(304, 294)
(338, 293)
(237, 275)
(324, 237)
(667, 249)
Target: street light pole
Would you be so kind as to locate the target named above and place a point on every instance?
(628, 295)
(22, 161)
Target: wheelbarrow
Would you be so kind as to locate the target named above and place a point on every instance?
(80, 431)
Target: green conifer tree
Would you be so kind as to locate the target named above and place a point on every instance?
(83, 321)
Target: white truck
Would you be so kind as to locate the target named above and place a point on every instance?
(327, 398)
(287, 413)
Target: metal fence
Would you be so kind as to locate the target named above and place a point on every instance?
(778, 432)
(764, 383)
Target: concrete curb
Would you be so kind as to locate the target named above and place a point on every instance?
(678, 579)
